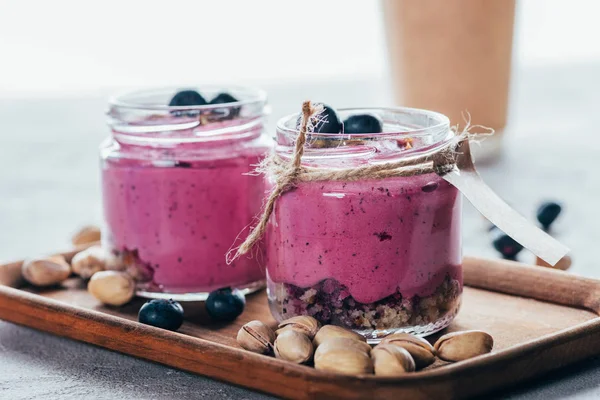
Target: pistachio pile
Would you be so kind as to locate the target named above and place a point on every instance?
(332, 348)
(110, 287)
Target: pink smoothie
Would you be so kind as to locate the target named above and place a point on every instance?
(180, 217)
(374, 237)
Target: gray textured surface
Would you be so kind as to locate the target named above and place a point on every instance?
(49, 185)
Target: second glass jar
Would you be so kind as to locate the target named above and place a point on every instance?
(375, 256)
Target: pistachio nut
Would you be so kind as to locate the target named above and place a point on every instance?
(330, 331)
(420, 349)
(349, 361)
(256, 337)
(391, 360)
(89, 261)
(293, 346)
(112, 287)
(46, 271)
(341, 343)
(302, 323)
(458, 346)
(86, 235)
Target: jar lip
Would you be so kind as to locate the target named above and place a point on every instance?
(442, 123)
(126, 99)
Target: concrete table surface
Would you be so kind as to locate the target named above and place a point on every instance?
(49, 185)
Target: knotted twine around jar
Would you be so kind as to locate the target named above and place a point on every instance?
(288, 174)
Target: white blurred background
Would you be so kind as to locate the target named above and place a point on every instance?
(71, 47)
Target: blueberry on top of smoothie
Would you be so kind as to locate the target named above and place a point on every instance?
(547, 213)
(223, 98)
(187, 98)
(166, 314)
(225, 304)
(363, 123)
(328, 122)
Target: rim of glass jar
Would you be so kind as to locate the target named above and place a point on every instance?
(134, 120)
(438, 132)
(119, 99)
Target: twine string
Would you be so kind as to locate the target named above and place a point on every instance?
(288, 174)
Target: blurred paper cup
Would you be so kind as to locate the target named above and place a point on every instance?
(453, 56)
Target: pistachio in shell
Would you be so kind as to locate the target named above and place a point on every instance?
(391, 360)
(341, 343)
(420, 349)
(347, 361)
(46, 271)
(256, 337)
(458, 346)
(89, 261)
(302, 323)
(86, 235)
(330, 331)
(114, 288)
(293, 346)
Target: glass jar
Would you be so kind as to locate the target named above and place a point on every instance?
(376, 256)
(176, 193)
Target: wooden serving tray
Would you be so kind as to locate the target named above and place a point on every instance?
(541, 320)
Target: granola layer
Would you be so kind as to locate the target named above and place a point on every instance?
(331, 303)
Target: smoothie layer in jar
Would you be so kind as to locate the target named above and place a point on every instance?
(172, 211)
(369, 254)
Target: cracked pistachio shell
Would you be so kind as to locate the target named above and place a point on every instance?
(420, 349)
(302, 323)
(257, 337)
(458, 346)
(46, 271)
(89, 261)
(337, 343)
(347, 361)
(330, 331)
(391, 360)
(293, 346)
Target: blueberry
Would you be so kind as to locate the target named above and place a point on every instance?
(223, 98)
(225, 304)
(505, 245)
(166, 314)
(547, 213)
(187, 98)
(225, 113)
(362, 123)
(329, 122)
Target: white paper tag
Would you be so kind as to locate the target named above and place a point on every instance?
(466, 178)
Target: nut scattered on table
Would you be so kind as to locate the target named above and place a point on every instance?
(293, 346)
(458, 346)
(420, 349)
(331, 331)
(114, 288)
(350, 361)
(341, 343)
(392, 360)
(257, 337)
(562, 264)
(86, 235)
(46, 271)
(89, 261)
(302, 323)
